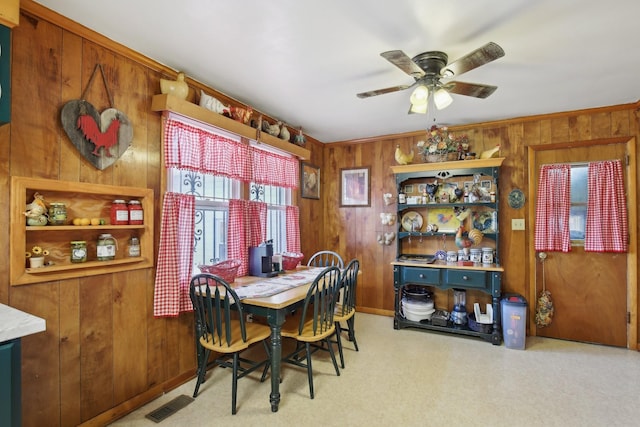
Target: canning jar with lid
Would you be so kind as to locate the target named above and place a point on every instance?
(119, 213)
(57, 213)
(136, 215)
(133, 249)
(106, 248)
(78, 251)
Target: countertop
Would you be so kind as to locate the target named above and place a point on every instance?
(16, 324)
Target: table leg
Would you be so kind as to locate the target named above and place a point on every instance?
(276, 320)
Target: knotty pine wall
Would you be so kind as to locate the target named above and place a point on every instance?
(103, 353)
(353, 231)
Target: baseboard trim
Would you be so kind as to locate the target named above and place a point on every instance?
(138, 401)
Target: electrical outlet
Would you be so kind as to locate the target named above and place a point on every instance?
(249, 318)
(517, 224)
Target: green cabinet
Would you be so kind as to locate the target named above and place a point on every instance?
(5, 75)
(429, 220)
(10, 386)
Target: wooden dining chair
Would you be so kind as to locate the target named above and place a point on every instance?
(221, 328)
(326, 259)
(314, 323)
(346, 309)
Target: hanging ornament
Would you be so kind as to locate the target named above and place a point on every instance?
(544, 309)
(101, 138)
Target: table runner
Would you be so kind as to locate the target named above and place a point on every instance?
(274, 285)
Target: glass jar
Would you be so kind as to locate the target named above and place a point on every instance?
(106, 248)
(57, 213)
(78, 251)
(136, 215)
(119, 213)
(133, 248)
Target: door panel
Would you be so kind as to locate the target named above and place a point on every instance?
(589, 290)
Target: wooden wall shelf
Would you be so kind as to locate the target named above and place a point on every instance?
(165, 102)
(82, 200)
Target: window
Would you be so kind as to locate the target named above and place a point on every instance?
(212, 194)
(277, 198)
(578, 213)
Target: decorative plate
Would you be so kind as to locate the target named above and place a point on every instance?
(483, 221)
(444, 219)
(516, 198)
(412, 221)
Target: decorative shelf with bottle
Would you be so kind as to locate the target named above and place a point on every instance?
(448, 243)
(80, 200)
(166, 102)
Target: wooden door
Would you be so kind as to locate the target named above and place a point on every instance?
(589, 290)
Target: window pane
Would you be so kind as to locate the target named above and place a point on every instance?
(579, 184)
(202, 186)
(579, 190)
(275, 198)
(209, 240)
(277, 228)
(577, 222)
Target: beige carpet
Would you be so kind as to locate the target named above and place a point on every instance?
(414, 378)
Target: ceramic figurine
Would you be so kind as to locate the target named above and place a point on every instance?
(300, 139)
(177, 88)
(284, 133)
(274, 129)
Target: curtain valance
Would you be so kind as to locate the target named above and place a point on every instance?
(193, 148)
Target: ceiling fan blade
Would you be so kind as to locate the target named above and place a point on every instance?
(487, 53)
(470, 89)
(402, 61)
(382, 91)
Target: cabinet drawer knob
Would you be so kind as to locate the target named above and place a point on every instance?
(465, 277)
(421, 275)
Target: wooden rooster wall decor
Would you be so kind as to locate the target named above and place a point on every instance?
(101, 138)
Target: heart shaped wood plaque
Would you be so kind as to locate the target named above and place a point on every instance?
(101, 138)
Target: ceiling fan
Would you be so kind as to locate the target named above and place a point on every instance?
(429, 68)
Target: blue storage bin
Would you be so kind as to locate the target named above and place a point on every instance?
(514, 321)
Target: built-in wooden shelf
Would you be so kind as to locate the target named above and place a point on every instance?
(166, 102)
(82, 200)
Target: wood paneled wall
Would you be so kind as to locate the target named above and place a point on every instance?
(353, 231)
(103, 352)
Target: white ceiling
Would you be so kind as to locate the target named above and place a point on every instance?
(303, 61)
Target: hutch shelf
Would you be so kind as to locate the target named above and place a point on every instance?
(419, 242)
(82, 200)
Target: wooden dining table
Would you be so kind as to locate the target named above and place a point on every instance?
(274, 308)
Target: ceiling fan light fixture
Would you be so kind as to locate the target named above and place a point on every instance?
(442, 99)
(419, 96)
(418, 108)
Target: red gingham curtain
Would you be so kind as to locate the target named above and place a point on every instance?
(607, 223)
(293, 229)
(553, 209)
(175, 256)
(206, 152)
(274, 169)
(247, 227)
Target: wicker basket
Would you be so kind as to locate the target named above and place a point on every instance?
(444, 157)
(290, 260)
(227, 270)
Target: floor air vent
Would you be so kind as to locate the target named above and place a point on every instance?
(169, 408)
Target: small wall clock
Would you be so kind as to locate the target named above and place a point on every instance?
(516, 198)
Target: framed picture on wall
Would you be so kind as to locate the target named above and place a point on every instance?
(355, 187)
(309, 181)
